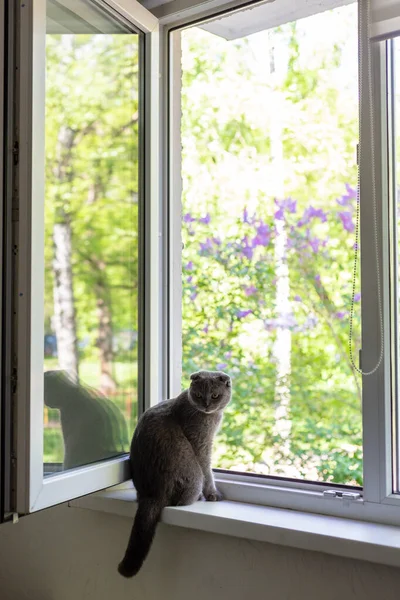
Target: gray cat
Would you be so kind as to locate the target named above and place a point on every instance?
(171, 458)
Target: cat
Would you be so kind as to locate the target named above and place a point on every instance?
(171, 458)
(93, 427)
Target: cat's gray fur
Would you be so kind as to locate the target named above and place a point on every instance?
(171, 458)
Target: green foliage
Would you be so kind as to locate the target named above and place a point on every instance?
(92, 178)
(230, 314)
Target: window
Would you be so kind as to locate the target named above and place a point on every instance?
(181, 193)
(267, 109)
(92, 198)
(269, 134)
(79, 242)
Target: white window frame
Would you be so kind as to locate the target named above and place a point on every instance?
(375, 501)
(33, 491)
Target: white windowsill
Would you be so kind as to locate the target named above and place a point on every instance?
(331, 535)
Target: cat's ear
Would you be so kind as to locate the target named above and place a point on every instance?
(195, 376)
(225, 379)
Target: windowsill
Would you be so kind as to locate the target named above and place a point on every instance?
(331, 535)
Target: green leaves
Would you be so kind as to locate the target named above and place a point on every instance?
(231, 315)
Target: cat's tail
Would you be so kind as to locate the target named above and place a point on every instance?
(142, 534)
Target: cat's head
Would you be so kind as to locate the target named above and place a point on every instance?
(56, 384)
(210, 391)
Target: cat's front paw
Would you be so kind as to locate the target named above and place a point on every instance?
(213, 496)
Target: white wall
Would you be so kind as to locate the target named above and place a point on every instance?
(71, 554)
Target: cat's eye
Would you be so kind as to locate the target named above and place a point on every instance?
(198, 395)
(214, 396)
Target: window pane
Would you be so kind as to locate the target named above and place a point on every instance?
(269, 132)
(91, 236)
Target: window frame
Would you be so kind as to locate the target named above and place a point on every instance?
(33, 491)
(375, 501)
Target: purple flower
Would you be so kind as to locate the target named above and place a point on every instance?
(228, 354)
(248, 252)
(315, 244)
(189, 266)
(187, 218)
(241, 314)
(206, 220)
(189, 279)
(250, 290)
(297, 299)
(312, 213)
(205, 329)
(246, 248)
(216, 241)
(287, 204)
(346, 199)
(357, 297)
(310, 322)
(279, 215)
(285, 321)
(221, 366)
(263, 236)
(347, 221)
(340, 314)
(193, 296)
(318, 279)
(207, 245)
(246, 217)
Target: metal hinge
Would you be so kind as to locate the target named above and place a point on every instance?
(346, 496)
(360, 359)
(358, 154)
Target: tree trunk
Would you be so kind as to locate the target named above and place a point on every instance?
(283, 341)
(105, 342)
(64, 309)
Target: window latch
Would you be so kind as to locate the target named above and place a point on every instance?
(347, 497)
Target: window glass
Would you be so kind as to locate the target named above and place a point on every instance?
(269, 133)
(91, 235)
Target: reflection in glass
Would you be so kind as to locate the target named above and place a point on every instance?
(269, 134)
(91, 236)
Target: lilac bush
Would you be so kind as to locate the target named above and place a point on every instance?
(230, 320)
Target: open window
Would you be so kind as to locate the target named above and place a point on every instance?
(270, 126)
(84, 90)
(269, 133)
